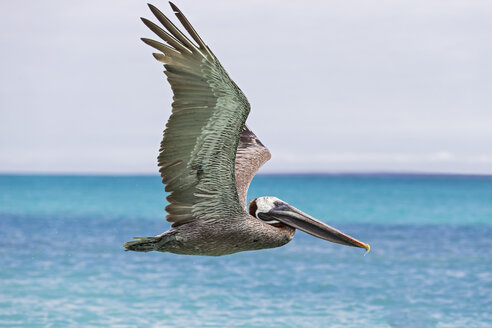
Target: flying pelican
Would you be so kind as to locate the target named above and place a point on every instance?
(208, 157)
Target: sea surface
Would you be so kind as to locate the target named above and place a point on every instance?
(62, 263)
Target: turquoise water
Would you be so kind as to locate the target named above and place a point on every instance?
(62, 264)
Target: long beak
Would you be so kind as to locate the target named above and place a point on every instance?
(291, 216)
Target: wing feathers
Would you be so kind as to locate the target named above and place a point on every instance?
(172, 28)
(198, 151)
(190, 29)
(160, 46)
(164, 35)
(251, 155)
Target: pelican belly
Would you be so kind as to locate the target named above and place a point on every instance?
(222, 237)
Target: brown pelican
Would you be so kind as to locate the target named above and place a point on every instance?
(208, 157)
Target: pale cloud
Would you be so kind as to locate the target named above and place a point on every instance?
(384, 158)
(441, 161)
(480, 159)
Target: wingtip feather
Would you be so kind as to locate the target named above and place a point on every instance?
(145, 20)
(155, 10)
(173, 6)
(159, 57)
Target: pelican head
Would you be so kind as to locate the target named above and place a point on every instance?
(272, 210)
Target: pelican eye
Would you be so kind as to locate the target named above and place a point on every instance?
(261, 207)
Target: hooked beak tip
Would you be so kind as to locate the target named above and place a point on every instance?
(368, 248)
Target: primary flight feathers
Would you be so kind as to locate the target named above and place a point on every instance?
(198, 152)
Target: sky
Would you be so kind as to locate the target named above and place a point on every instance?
(334, 86)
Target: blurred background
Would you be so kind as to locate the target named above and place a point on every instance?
(335, 86)
(378, 116)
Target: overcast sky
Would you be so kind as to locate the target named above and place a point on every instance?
(335, 86)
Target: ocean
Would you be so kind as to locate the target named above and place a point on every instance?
(62, 263)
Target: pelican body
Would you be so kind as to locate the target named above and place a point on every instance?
(218, 237)
(208, 157)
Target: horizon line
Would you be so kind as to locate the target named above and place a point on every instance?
(314, 173)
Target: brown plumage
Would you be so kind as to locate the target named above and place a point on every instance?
(250, 156)
(208, 157)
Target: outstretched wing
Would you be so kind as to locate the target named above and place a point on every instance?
(251, 155)
(198, 150)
